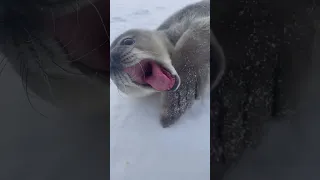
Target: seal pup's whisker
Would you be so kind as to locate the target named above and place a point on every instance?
(122, 83)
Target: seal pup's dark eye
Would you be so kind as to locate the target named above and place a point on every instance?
(127, 41)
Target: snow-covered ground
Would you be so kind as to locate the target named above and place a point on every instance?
(140, 148)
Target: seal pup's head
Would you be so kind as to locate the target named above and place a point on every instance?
(140, 63)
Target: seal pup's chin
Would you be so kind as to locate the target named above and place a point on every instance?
(148, 73)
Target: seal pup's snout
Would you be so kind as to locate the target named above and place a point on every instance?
(115, 56)
(115, 60)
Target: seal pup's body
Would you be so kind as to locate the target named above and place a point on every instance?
(179, 48)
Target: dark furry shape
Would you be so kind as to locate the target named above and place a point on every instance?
(259, 78)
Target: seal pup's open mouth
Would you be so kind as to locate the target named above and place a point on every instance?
(150, 73)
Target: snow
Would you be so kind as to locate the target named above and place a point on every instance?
(140, 148)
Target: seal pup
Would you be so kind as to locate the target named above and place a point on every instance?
(173, 60)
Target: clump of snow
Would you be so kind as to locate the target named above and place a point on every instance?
(140, 148)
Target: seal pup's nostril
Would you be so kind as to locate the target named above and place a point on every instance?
(115, 58)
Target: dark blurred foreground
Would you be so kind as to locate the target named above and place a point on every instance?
(266, 122)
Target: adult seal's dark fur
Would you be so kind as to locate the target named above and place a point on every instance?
(267, 47)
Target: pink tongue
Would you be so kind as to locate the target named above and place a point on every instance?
(159, 80)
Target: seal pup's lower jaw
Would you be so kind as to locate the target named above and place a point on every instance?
(177, 83)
